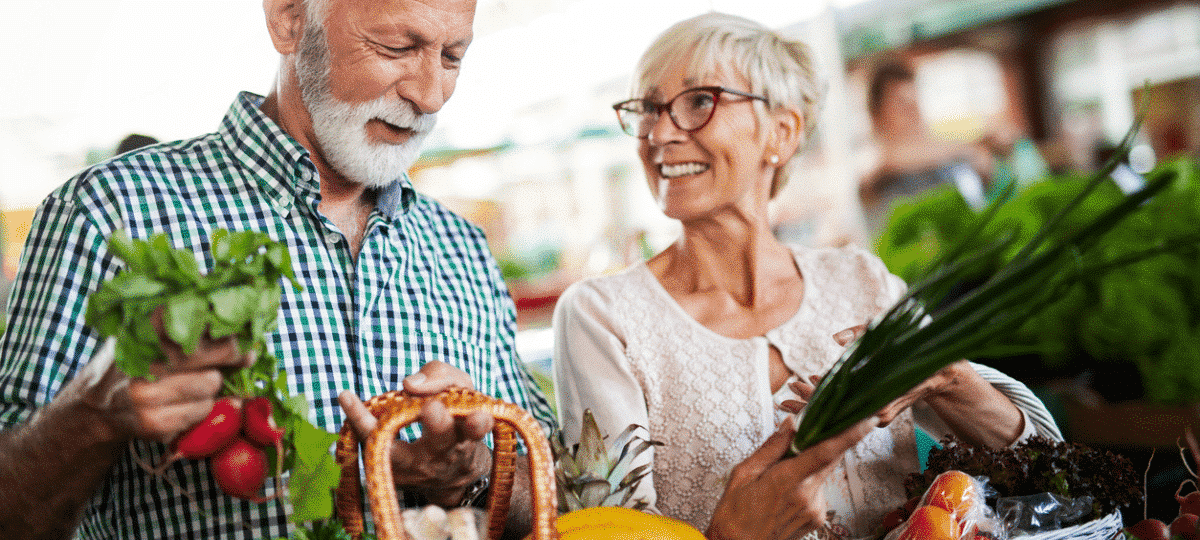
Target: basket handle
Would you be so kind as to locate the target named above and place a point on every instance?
(395, 410)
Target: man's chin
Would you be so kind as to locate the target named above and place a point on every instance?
(379, 168)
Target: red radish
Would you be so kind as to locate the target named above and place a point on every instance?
(1189, 504)
(1184, 527)
(213, 433)
(1149, 529)
(259, 424)
(240, 469)
(209, 436)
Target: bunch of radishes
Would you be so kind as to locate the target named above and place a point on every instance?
(1185, 525)
(256, 422)
(233, 437)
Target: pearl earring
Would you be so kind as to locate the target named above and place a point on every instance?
(774, 159)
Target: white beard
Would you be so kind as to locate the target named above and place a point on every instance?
(341, 127)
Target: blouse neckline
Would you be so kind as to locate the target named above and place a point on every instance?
(805, 301)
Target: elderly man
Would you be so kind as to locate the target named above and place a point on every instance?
(397, 290)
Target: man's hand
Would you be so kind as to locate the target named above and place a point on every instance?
(450, 454)
(181, 395)
(52, 464)
(769, 498)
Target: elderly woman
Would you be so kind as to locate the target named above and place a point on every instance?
(705, 342)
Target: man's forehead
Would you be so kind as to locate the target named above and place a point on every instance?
(446, 7)
(425, 16)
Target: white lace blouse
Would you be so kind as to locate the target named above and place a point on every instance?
(626, 350)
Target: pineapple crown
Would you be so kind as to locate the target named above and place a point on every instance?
(590, 474)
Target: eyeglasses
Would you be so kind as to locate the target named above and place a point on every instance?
(689, 111)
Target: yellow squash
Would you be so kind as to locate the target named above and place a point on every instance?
(615, 523)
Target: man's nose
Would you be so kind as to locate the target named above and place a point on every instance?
(429, 85)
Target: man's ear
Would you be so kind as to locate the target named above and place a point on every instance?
(285, 23)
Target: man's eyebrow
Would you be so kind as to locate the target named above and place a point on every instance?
(422, 40)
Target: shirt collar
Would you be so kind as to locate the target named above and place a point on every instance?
(283, 166)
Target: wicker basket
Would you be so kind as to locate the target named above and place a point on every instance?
(1105, 528)
(395, 410)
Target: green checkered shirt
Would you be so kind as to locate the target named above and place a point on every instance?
(424, 287)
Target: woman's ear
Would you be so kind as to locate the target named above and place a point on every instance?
(285, 23)
(788, 132)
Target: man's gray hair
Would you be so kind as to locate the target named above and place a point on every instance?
(315, 11)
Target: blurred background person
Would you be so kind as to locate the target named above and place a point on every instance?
(133, 141)
(912, 157)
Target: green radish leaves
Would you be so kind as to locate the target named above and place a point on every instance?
(314, 474)
(239, 296)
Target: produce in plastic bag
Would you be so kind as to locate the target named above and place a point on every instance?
(953, 508)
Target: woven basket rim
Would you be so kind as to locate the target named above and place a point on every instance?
(1103, 528)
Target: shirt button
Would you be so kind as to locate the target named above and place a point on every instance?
(332, 238)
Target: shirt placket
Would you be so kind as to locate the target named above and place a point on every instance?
(379, 261)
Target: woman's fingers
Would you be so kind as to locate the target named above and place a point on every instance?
(765, 456)
(848, 335)
(792, 406)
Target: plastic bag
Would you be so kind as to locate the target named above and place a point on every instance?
(953, 508)
(1029, 514)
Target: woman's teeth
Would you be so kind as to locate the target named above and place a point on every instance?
(681, 169)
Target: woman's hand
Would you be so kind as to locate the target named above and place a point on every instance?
(770, 499)
(805, 389)
(971, 407)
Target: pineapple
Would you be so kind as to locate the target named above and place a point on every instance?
(589, 474)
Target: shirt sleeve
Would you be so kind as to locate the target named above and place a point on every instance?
(592, 371)
(46, 340)
(515, 383)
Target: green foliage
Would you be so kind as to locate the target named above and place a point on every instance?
(1038, 465)
(1145, 313)
(966, 306)
(324, 530)
(239, 297)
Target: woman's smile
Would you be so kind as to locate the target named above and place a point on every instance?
(676, 170)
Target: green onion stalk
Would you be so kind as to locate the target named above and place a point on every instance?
(953, 313)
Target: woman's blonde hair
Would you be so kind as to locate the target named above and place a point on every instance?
(776, 67)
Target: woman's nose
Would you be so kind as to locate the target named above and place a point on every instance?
(663, 130)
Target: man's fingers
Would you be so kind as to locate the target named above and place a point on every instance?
(435, 377)
(165, 423)
(175, 388)
(441, 431)
(360, 418)
(438, 430)
(209, 353)
(475, 426)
